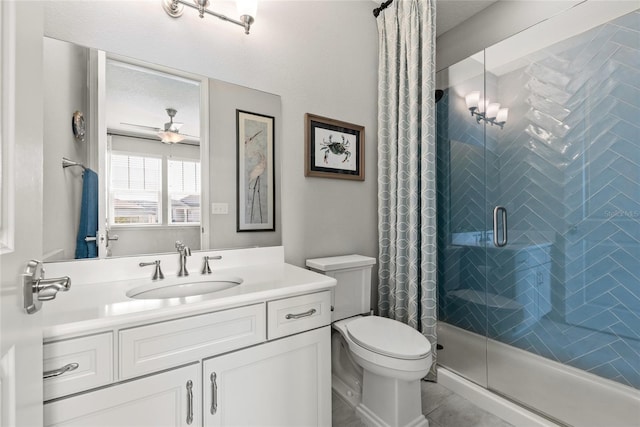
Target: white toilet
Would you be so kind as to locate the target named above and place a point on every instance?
(377, 363)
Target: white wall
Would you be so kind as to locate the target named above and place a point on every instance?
(319, 56)
(224, 99)
(493, 24)
(65, 84)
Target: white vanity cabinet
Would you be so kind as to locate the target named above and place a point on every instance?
(264, 363)
(164, 345)
(169, 399)
(282, 383)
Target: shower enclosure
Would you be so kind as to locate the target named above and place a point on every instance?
(539, 216)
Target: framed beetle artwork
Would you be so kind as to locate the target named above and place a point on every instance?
(333, 149)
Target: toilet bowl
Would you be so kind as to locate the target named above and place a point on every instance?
(377, 363)
(392, 358)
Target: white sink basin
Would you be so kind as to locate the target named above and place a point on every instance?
(159, 290)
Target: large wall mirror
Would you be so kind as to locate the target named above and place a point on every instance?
(159, 149)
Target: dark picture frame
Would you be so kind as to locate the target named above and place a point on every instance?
(255, 142)
(333, 148)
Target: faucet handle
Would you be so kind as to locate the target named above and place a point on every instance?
(205, 267)
(157, 273)
(49, 288)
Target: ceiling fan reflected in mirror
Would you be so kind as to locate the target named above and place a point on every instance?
(170, 134)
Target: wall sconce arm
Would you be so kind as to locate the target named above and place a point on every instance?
(175, 8)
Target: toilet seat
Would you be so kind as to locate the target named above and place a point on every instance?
(388, 366)
(389, 338)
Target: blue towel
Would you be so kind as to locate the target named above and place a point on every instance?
(88, 217)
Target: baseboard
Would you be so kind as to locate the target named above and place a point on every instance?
(491, 402)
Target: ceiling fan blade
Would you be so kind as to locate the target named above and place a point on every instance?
(156, 129)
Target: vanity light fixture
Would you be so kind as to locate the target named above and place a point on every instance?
(486, 111)
(246, 10)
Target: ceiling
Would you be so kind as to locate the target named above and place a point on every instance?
(137, 99)
(450, 13)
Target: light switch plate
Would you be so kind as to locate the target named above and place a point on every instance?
(219, 208)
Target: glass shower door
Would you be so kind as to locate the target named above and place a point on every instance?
(462, 219)
(552, 305)
(568, 176)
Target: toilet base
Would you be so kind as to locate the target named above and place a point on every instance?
(388, 402)
(350, 395)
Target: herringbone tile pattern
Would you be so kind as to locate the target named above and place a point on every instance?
(567, 168)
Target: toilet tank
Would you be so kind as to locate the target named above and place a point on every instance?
(352, 294)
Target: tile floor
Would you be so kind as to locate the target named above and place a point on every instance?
(442, 407)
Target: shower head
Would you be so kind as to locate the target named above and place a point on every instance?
(439, 93)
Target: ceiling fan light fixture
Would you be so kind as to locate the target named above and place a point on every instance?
(169, 137)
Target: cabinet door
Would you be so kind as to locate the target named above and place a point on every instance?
(281, 383)
(167, 399)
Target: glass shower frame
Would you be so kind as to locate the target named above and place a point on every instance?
(542, 293)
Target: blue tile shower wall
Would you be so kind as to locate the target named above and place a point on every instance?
(567, 168)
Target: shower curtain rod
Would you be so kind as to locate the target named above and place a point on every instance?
(382, 7)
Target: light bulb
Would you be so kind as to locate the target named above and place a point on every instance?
(247, 7)
(502, 115)
(169, 137)
(482, 105)
(472, 100)
(492, 110)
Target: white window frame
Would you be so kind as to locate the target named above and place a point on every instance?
(165, 189)
(111, 212)
(164, 204)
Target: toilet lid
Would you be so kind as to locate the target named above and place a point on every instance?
(388, 337)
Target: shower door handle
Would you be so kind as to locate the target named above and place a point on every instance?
(497, 212)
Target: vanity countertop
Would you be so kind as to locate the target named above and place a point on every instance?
(98, 307)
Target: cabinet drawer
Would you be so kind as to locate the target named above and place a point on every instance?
(297, 314)
(168, 344)
(93, 356)
(169, 399)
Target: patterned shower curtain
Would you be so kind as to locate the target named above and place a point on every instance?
(406, 166)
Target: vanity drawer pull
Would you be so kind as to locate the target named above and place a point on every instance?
(301, 315)
(77, 364)
(297, 314)
(189, 402)
(57, 372)
(214, 393)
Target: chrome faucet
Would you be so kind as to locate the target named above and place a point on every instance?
(184, 252)
(48, 288)
(206, 269)
(157, 273)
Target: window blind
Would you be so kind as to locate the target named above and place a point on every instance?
(183, 188)
(136, 189)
